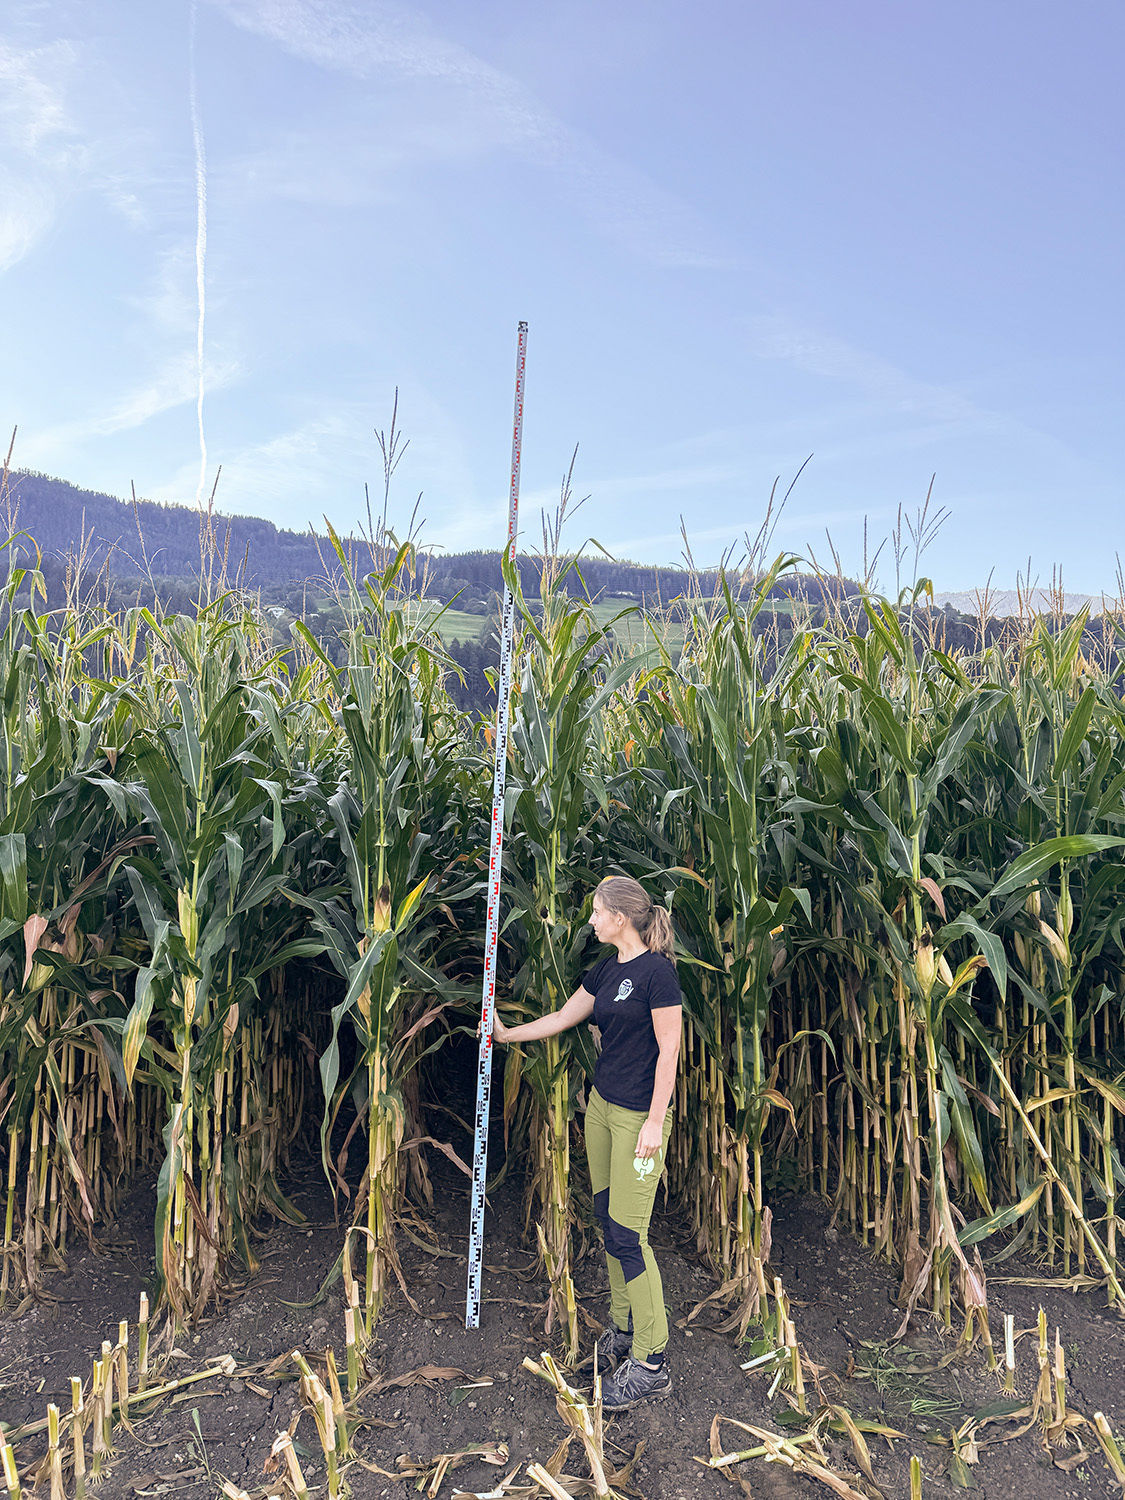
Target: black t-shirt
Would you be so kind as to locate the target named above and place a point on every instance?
(625, 995)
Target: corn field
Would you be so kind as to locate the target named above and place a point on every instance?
(241, 909)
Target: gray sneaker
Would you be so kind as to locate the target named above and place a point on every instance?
(632, 1382)
(613, 1346)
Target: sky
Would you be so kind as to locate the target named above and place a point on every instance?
(883, 236)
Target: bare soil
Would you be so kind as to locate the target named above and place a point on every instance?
(843, 1304)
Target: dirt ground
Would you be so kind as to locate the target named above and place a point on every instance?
(843, 1304)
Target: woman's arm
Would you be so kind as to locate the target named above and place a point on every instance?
(578, 1008)
(667, 1023)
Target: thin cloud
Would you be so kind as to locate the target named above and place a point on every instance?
(27, 210)
(627, 486)
(663, 481)
(359, 149)
(476, 526)
(308, 465)
(345, 38)
(33, 113)
(800, 526)
(390, 41)
(818, 353)
(173, 385)
(167, 304)
(39, 143)
(729, 534)
(66, 127)
(930, 408)
(879, 443)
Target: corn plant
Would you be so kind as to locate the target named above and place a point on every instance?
(388, 819)
(711, 746)
(57, 1097)
(204, 773)
(556, 804)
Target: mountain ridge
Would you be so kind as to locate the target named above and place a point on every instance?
(1005, 603)
(162, 540)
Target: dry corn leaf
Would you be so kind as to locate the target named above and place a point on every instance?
(622, 1478)
(554, 1464)
(427, 1375)
(165, 1484)
(934, 891)
(862, 1453)
(1073, 1461)
(431, 1472)
(719, 1295)
(507, 1489)
(776, 1449)
(716, 1446)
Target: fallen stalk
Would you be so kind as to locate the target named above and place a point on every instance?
(226, 1366)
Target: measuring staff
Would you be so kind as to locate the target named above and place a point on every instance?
(496, 845)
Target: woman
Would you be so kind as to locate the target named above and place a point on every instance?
(634, 999)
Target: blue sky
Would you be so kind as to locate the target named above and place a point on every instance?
(886, 234)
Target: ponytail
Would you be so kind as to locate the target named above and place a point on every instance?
(657, 933)
(622, 894)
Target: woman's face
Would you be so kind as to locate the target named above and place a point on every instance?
(606, 924)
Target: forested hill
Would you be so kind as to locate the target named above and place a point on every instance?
(58, 515)
(151, 552)
(163, 541)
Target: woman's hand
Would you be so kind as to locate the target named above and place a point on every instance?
(578, 1008)
(650, 1140)
(500, 1032)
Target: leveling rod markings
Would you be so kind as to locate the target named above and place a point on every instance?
(492, 923)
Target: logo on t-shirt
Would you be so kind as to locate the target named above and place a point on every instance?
(624, 990)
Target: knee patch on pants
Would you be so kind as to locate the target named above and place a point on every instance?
(625, 1246)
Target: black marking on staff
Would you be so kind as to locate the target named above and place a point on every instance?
(496, 844)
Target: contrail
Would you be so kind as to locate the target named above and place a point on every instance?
(200, 249)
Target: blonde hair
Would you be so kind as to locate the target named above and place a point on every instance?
(623, 894)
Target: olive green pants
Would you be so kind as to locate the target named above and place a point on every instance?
(624, 1187)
